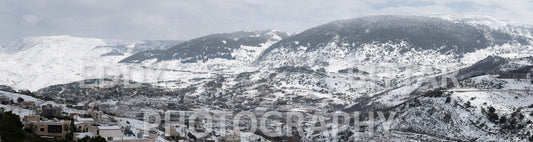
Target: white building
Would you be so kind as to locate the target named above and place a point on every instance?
(109, 132)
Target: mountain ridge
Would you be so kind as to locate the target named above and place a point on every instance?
(209, 47)
(418, 32)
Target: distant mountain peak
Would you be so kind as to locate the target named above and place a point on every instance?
(60, 41)
(220, 45)
(418, 33)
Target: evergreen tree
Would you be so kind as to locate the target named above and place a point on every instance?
(19, 100)
(11, 128)
(92, 139)
(493, 116)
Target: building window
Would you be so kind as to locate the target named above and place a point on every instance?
(109, 138)
(55, 129)
(42, 129)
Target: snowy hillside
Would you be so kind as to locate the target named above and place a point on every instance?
(391, 49)
(420, 40)
(394, 50)
(193, 62)
(464, 112)
(440, 74)
(213, 46)
(36, 62)
(217, 53)
(482, 106)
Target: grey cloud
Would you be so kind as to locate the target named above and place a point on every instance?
(180, 19)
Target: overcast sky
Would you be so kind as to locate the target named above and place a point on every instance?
(182, 20)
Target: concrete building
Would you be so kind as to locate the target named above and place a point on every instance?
(28, 105)
(47, 129)
(97, 115)
(82, 124)
(51, 111)
(110, 133)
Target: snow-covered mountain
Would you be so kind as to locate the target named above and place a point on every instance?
(394, 50)
(36, 62)
(483, 106)
(387, 51)
(211, 54)
(392, 39)
(193, 61)
(128, 48)
(212, 46)
(384, 63)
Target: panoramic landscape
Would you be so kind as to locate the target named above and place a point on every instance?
(334, 71)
